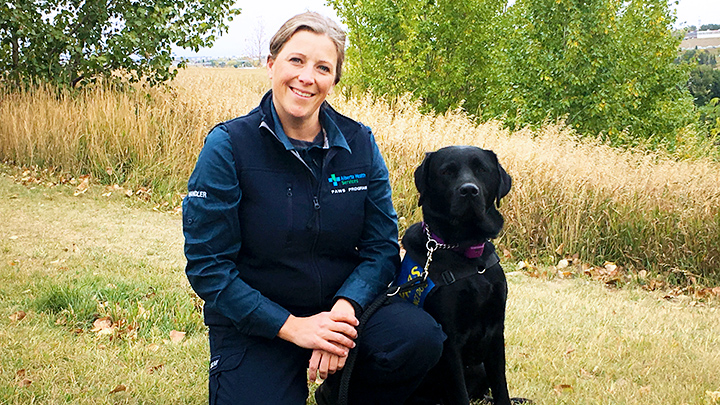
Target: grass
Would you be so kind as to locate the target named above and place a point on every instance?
(643, 210)
(68, 259)
(71, 254)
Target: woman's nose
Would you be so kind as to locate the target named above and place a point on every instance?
(307, 75)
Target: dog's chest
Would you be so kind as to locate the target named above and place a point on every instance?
(451, 276)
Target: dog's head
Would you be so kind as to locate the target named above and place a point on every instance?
(460, 189)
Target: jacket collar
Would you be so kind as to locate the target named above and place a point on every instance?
(333, 135)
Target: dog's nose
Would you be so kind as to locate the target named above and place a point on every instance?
(469, 190)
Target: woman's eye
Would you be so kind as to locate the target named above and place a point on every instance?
(295, 60)
(324, 69)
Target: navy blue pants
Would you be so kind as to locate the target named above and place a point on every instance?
(397, 347)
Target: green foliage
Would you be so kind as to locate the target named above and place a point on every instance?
(444, 51)
(605, 66)
(67, 42)
(704, 84)
(701, 57)
(710, 117)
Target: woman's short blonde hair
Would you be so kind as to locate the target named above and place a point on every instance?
(313, 22)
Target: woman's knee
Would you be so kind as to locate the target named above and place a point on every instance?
(403, 339)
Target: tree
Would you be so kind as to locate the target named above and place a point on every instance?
(701, 57)
(257, 43)
(67, 42)
(704, 84)
(605, 65)
(441, 50)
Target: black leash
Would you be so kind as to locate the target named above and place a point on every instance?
(431, 246)
(371, 309)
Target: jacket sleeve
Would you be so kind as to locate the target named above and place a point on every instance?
(213, 238)
(378, 246)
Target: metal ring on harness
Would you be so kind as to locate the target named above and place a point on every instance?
(390, 294)
(431, 245)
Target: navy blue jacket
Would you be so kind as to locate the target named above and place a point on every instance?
(265, 237)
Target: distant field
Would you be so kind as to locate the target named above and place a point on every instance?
(701, 43)
(642, 210)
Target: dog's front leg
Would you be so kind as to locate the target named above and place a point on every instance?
(451, 376)
(495, 368)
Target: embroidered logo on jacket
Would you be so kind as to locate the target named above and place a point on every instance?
(347, 183)
(410, 269)
(197, 194)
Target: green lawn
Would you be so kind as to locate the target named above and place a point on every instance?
(67, 260)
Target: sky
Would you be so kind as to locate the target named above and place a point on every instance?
(271, 14)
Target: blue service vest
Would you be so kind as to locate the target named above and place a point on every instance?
(410, 269)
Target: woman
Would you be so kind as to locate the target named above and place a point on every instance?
(290, 232)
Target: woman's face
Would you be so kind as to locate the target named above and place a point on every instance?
(302, 75)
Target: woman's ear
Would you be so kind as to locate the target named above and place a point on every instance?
(270, 63)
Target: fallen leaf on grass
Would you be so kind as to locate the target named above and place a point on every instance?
(153, 347)
(20, 373)
(176, 336)
(565, 274)
(25, 383)
(707, 292)
(586, 374)
(119, 388)
(18, 316)
(563, 388)
(152, 369)
(103, 326)
(83, 186)
(714, 395)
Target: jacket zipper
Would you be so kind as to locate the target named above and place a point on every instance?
(316, 209)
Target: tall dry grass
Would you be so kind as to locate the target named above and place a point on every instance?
(637, 208)
(641, 209)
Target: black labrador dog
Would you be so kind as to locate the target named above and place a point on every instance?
(460, 189)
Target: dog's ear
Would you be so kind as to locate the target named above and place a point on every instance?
(504, 185)
(421, 177)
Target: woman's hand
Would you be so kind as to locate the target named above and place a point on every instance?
(324, 363)
(332, 332)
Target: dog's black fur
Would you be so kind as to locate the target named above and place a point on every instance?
(460, 189)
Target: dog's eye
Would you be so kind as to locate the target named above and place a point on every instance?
(448, 170)
(478, 166)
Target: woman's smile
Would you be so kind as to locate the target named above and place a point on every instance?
(302, 74)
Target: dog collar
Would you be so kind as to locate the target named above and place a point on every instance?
(471, 252)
